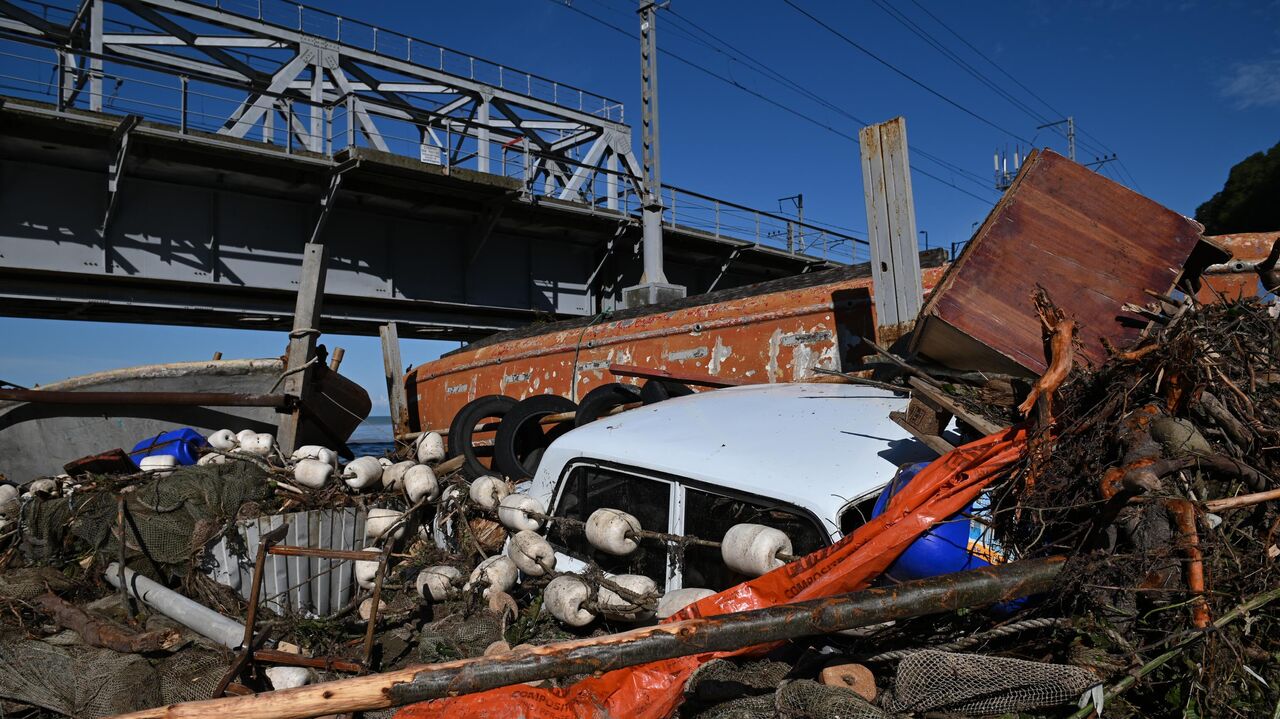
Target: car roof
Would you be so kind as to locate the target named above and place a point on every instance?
(814, 445)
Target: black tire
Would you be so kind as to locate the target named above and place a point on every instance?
(463, 427)
(660, 390)
(520, 433)
(601, 400)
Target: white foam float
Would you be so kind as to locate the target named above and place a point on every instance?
(367, 570)
(159, 464)
(437, 583)
(8, 493)
(380, 520)
(498, 572)
(260, 444)
(420, 483)
(531, 553)
(212, 458)
(678, 599)
(488, 491)
(752, 549)
(430, 447)
(316, 452)
(362, 472)
(223, 439)
(312, 473)
(514, 512)
(612, 531)
(568, 598)
(243, 435)
(366, 608)
(613, 606)
(393, 476)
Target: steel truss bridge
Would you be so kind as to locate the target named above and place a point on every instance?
(166, 161)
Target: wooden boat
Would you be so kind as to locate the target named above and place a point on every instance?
(776, 331)
(38, 437)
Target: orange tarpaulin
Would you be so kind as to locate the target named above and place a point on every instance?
(653, 691)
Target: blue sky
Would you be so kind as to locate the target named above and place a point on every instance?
(1181, 91)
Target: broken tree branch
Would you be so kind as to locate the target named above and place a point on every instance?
(639, 646)
(101, 633)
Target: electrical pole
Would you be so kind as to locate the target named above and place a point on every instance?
(798, 227)
(653, 287)
(1070, 122)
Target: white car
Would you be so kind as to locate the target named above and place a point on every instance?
(808, 459)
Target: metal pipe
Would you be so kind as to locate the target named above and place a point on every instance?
(184, 399)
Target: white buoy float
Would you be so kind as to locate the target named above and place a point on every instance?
(260, 444)
(393, 476)
(498, 572)
(362, 472)
(159, 464)
(224, 439)
(243, 435)
(678, 599)
(613, 531)
(567, 598)
(531, 553)
(437, 583)
(365, 610)
(752, 549)
(8, 493)
(380, 520)
(367, 570)
(385, 462)
(420, 483)
(44, 487)
(288, 677)
(317, 452)
(614, 606)
(430, 447)
(514, 512)
(311, 473)
(488, 491)
(212, 458)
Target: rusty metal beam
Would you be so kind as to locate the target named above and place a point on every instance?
(191, 399)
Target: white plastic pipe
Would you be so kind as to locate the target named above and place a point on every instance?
(201, 619)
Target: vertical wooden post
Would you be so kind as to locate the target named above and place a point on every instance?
(891, 228)
(302, 340)
(395, 378)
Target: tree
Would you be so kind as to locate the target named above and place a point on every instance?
(1250, 199)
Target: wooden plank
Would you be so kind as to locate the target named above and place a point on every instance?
(302, 340)
(932, 441)
(395, 379)
(934, 395)
(891, 227)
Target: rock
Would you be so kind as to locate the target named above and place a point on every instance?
(1179, 437)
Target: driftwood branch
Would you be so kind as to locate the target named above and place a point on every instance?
(639, 646)
(101, 633)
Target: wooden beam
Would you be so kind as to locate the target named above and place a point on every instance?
(302, 341)
(394, 371)
(891, 228)
(941, 399)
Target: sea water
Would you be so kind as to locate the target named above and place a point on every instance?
(374, 437)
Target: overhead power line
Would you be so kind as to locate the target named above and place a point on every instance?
(760, 96)
(854, 44)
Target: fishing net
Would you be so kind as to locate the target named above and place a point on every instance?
(807, 699)
(979, 684)
(457, 635)
(172, 517)
(76, 681)
(28, 583)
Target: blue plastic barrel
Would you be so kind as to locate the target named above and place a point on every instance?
(953, 545)
(184, 444)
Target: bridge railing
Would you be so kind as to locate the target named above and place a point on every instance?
(194, 104)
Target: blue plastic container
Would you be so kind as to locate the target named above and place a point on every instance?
(183, 444)
(954, 545)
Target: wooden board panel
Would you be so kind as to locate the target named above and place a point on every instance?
(1091, 243)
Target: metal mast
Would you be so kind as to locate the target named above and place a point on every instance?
(653, 287)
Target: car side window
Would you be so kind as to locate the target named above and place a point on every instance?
(588, 488)
(709, 516)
